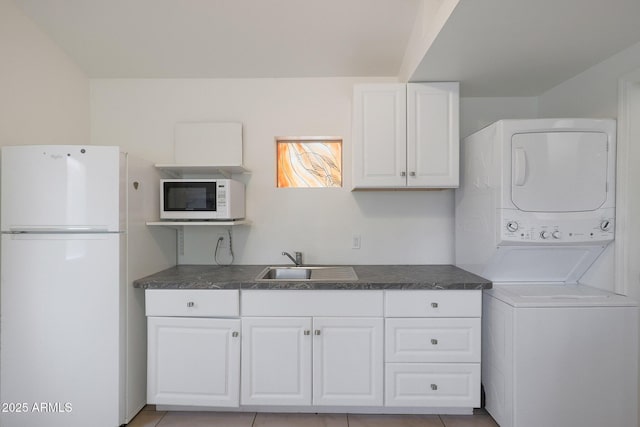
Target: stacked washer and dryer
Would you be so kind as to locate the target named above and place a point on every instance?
(535, 209)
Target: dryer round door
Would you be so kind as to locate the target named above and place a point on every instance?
(559, 171)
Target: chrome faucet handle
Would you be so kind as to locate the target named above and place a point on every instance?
(297, 260)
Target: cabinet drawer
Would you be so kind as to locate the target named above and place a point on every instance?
(192, 303)
(432, 340)
(457, 303)
(432, 384)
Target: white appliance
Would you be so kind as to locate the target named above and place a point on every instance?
(534, 210)
(72, 338)
(201, 199)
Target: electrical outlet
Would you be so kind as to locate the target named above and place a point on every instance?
(221, 241)
(355, 241)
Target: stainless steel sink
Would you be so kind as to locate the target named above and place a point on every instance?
(308, 273)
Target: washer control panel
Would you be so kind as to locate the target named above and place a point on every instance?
(519, 227)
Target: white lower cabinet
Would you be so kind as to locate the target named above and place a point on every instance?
(314, 349)
(193, 355)
(276, 361)
(432, 348)
(193, 361)
(347, 361)
(312, 361)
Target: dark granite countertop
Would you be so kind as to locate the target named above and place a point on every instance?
(369, 277)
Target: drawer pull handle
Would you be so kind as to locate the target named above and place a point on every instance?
(316, 332)
(191, 304)
(434, 341)
(235, 334)
(307, 332)
(434, 387)
(434, 304)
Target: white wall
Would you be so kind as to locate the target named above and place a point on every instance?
(476, 113)
(592, 93)
(44, 96)
(413, 227)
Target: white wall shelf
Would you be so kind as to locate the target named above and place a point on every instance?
(207, 223)
(180, 170)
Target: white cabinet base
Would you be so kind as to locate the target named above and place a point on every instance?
(381, 410)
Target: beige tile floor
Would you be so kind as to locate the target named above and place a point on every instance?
(149, 417)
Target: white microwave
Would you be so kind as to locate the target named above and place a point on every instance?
(201, 199)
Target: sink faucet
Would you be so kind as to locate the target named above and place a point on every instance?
(297, 260)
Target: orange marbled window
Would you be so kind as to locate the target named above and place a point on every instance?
(303, 163)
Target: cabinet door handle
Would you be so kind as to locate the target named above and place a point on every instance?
(412, 174)
(434, 387)
(307, 332)
(316, 332)
(191, 304)
(434, 304)
(403, 173)
(235, 334)
(434, 341)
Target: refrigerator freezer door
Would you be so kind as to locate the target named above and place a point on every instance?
(60, 186)
(60, 329)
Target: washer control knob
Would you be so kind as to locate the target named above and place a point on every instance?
(512, 226)
(545, 234)
(556, 234)
(605, 225)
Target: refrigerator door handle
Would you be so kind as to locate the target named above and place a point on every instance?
(59, 229)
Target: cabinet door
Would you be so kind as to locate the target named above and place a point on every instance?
(193, 361)
(276, 361)
(379, 136)
(347, 361)
(433, 135)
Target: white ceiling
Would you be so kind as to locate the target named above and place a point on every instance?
(229, 38)
(494, 47)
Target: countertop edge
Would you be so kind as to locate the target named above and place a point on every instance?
(387, 277)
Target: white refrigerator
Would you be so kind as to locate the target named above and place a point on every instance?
(72, 335)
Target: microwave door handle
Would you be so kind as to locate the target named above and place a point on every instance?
(520, 167)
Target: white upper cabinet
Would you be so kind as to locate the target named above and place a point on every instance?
(379, 135)
(406, 136)
(433, 140)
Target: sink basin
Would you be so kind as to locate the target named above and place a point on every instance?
(285, 273)
(308, 273)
